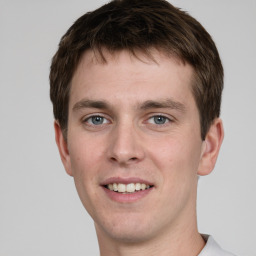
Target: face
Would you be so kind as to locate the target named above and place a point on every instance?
(134, 145)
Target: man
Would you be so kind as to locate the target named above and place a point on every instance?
(136, 89)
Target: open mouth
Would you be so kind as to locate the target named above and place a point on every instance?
(127, 188)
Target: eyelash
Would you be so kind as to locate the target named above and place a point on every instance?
(87, 121)
(166, 119)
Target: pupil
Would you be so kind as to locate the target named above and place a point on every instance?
(97, 120)
(159, 119)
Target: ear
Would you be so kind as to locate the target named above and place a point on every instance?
(211, 147)
(63, 148)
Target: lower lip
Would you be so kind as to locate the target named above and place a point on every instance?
(127, 198)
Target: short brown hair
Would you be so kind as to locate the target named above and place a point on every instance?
(138, 26)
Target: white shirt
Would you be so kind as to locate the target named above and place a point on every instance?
(212, 248)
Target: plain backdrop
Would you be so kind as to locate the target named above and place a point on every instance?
(40, 213)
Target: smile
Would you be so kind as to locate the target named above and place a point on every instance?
(127, 188)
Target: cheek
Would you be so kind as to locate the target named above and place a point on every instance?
(177, 161)
(84, 154)
(84, 164)
(176, 156)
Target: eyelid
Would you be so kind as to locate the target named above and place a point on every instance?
(169, 118)
(87, 117)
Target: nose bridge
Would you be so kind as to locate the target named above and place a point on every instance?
(125, 146)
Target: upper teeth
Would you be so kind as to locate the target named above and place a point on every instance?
(131, 187)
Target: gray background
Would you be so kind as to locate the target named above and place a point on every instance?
(40, 213)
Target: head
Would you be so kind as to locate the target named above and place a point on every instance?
(136, 89)
(139, 27)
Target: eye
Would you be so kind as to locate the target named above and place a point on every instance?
(96, 120)
(159, 120)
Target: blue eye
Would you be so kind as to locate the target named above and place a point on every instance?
(158, 120)
(96, 120)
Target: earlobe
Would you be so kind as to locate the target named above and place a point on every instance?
(211, 147)
(63, 148)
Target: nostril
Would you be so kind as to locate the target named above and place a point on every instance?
(132, 159)
(113, 159)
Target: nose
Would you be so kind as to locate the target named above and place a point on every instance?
(125, 146)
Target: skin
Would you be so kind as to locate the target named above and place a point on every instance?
(128, 142)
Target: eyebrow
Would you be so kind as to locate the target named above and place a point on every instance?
(167, 103)
(149, 104)
(85, 103)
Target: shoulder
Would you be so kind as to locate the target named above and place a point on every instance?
(212, 248)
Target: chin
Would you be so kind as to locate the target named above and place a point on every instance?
(127, 230)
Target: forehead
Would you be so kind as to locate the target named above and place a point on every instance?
(132, 77)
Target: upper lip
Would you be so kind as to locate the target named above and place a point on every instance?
(126, 180)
